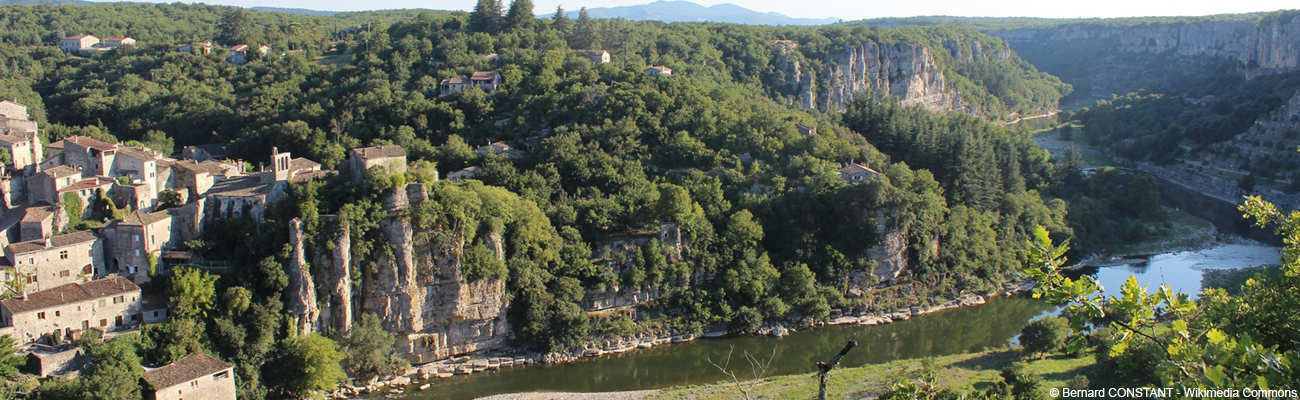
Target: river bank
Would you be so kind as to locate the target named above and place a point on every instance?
(427, 377)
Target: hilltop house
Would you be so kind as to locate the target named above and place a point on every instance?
(47, 263)
(499, 148)
(855, 172)
(111, 303)
(658, 70)
(91, 156)
(239, 53)
(361, 159)
(197, 376)
(12, 110)
(116, 41)
(247, 196)
(452, 85)
(485, 80)
(74, 44)
(595, 56)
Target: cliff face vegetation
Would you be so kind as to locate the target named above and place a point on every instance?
(1120, 56)
(940, 69)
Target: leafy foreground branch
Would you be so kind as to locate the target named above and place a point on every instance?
(1196, 345)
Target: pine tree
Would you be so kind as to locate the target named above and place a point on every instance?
(584, 32)
(560, 22)
(520, 14)
(486, 16)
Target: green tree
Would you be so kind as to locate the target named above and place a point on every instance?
(306, 365)
(9, 360)
(1044, 335)
(559, 21)
(192, 292)
(369, 350)
(168, 199)
(235, 27)
(520, 15)
(584, 32)
(486, 16)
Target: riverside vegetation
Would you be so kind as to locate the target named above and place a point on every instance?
(771, 232)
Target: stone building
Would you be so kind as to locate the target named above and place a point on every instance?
(855, 172)
(44, 264)
(116, 41)
(109, 304)
(361, 159)
(131, 242)
(94, 157)
(45, 186)
(41, 221)
(659, 70)
(595, 56)
(65, 360)
(73, 44)
(198, 376)
(13, 110)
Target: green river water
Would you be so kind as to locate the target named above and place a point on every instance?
(946, 332)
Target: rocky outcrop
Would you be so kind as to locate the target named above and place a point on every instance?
(419, 292)
(302, 289)
(909, 72)
(1272, 44)
(333, 262)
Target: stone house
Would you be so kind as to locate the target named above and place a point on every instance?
(855, 172)
(73, 44)
(94, 157)
(485, 80)
(463, 174)
(55, 261)
(116, 41)
(248, 196)
(131, 242)
(806, 130)
(87, 190)
(498, 148)
(197, 376)
(109, 304)
(391, 157)
(452, 85)
(138, 196)
(659, 70)
(204, 152)
(23, 146)
(65, 360)
(138, 165)
(595, 56)
(42, 221)
(44, 187)
(13, 110)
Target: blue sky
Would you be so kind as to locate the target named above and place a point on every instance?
(850, 9)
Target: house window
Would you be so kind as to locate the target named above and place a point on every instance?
(117, 321)
(58, 313)
(31, 279)
(65, 273)
(40, 315)
(85, 324)
(63, 255)
(103, 322)
(222, 375)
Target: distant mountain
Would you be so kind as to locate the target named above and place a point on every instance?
(32, 2)
(303, 11)
(685, 11)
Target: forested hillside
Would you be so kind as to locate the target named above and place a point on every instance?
(769, 229)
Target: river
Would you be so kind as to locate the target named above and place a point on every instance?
(947, 332)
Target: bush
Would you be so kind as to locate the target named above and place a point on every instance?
(1044, 335)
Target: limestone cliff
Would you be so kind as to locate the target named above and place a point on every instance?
(913, 73)
(333, 262)
(1116, 57)
(418, 290)
(302, 289)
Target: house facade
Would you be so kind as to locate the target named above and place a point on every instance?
(196, 377)
(109, 304)
(361, 159)
(44, 264)
(73, 44)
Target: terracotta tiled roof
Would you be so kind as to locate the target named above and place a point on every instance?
(484, 76)
(90, 143)
(453, 81)
(191, 367)
(88, 183)
(61, 171)
(58, 241)
(81, 36)
(857, 169)
(70, 293)
(384, 151)
(303, 164)
(141, 218)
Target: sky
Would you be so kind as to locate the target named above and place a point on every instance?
(852, 10)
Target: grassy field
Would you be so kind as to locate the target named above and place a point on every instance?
(961, 372)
